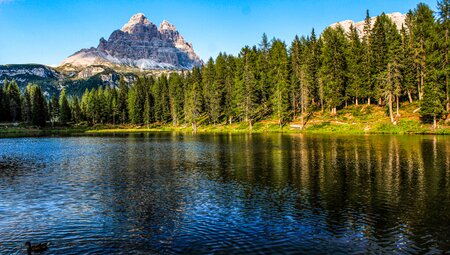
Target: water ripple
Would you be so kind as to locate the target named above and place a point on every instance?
(170, 193)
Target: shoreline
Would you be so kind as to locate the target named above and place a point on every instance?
(406, 127)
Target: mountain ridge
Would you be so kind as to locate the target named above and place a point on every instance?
(140, 44)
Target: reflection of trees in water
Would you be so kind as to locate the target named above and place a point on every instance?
(140, 183)
(389, 190)
(12, 167)
(393, 189)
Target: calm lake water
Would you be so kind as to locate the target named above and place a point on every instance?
(167, 193)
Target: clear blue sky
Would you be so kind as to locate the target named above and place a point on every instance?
(47, 31)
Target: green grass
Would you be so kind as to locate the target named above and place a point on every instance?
(360, 119)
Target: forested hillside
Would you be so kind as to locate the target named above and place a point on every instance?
(276, 81)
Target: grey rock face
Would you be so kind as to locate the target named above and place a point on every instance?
(141, 44)
(396, 17)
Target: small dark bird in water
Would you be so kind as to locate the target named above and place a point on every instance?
(36, 247)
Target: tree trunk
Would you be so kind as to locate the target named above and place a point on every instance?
(356, 101)
(434, 122)
(301, 114)
(251, 125)
(321, 103)
(446, 76)
(333, 111)
(194, 127)
(391, 114)
(448, 102)
(410, 97)
(302, 122)
(368, 101)
(293, 106)
(421, 82)
(398, 105)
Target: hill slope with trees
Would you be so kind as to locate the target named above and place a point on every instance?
(402, 74)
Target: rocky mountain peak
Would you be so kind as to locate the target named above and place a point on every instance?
(398, 19)
(165, 25)
(138, 19)
(142, 45)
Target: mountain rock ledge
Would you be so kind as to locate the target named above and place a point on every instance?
(139, 44)
(398, 18)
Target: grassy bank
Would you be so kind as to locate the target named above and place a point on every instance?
(361, 119)
(24, 130)
(403, 127)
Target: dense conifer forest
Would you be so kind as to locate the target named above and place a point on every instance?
(273, 80)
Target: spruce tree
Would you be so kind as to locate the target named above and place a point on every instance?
(64, 108)
(113, 106)
(92, 105)
(431, 106)
(176, 94)
(408, 67)
(208, 74)
(26, 104)
(421, 33)
(444, 47)
(217, 95)
(38, 106)
(334, 67)
(246, 86)
(300, 89)
(379, 50)
(279, 77)
(55, 109)
(5, 102)
(193, 100)
(103, 104)
(122, 101)
(14, 101)
(85, 105)
(366, 64)
(230, 89)
(434, 98)
(355, 57)
(76, 110)
(148, 118)
(136, 101)
(312, 56)
(263, 73)
(162, 99)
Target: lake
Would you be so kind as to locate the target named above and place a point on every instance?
(170, 193)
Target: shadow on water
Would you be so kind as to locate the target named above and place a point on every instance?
(173, 193)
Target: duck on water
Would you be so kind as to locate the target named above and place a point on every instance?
(36, 248)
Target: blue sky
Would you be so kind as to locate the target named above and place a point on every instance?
(40, 31)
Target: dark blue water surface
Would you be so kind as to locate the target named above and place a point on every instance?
(168, 193)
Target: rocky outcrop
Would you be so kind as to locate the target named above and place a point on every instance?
(396, 17)
(53, 80)
(20, 71)
(140, 44)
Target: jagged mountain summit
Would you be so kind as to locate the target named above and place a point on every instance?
(398, 19)
(140, 44)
